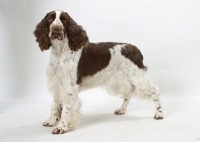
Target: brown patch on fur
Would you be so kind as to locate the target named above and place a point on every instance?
(56, 32)
(42, 31)
(76, 35)
(133, 53)
(94, 58)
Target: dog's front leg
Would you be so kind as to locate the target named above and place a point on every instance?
(55, 115)
(68, 102)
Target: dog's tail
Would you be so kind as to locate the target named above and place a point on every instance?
(145, 67)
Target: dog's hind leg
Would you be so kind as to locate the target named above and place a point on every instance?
(155, 97)
(123, 108)
(147, 90)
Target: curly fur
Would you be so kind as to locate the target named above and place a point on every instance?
(76, 35)
(42, 34)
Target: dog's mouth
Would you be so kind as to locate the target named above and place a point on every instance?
(56, 37)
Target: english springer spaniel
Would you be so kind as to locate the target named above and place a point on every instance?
(77, 64)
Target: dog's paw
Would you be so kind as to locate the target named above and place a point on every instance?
(58, 131)
(158, 115)
(61, 128)
(49, 123)
(120, 111)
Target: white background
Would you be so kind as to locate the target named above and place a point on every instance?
(167, 32)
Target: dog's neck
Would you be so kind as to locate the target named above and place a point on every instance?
(60, 46)
(61, 54)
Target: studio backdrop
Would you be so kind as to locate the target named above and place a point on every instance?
(167, 33)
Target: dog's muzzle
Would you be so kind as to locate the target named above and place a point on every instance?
(57, 32)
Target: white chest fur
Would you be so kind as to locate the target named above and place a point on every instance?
(62, 69)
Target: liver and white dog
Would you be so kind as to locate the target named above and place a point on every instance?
(76, 64)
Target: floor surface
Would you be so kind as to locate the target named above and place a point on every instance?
(22, 122)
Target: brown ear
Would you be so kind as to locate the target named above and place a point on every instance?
(42, 34)
(76, 35)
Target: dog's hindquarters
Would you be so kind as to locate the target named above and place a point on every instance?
(132, 74)
(125, 76)
(142, 88)
(147, 90)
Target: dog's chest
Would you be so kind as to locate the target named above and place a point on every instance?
(63, 63)
(63, 59)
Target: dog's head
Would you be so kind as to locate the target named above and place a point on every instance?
(57, 25)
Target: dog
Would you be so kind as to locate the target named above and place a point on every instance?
(77, 64)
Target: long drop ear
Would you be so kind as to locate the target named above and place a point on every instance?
(76, 35)
(42, 34)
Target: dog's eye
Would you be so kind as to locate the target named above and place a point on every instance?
(63, 19)
(50, 20)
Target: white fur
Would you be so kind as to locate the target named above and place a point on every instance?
(57, 21)
(121, 77)
(62, 76)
